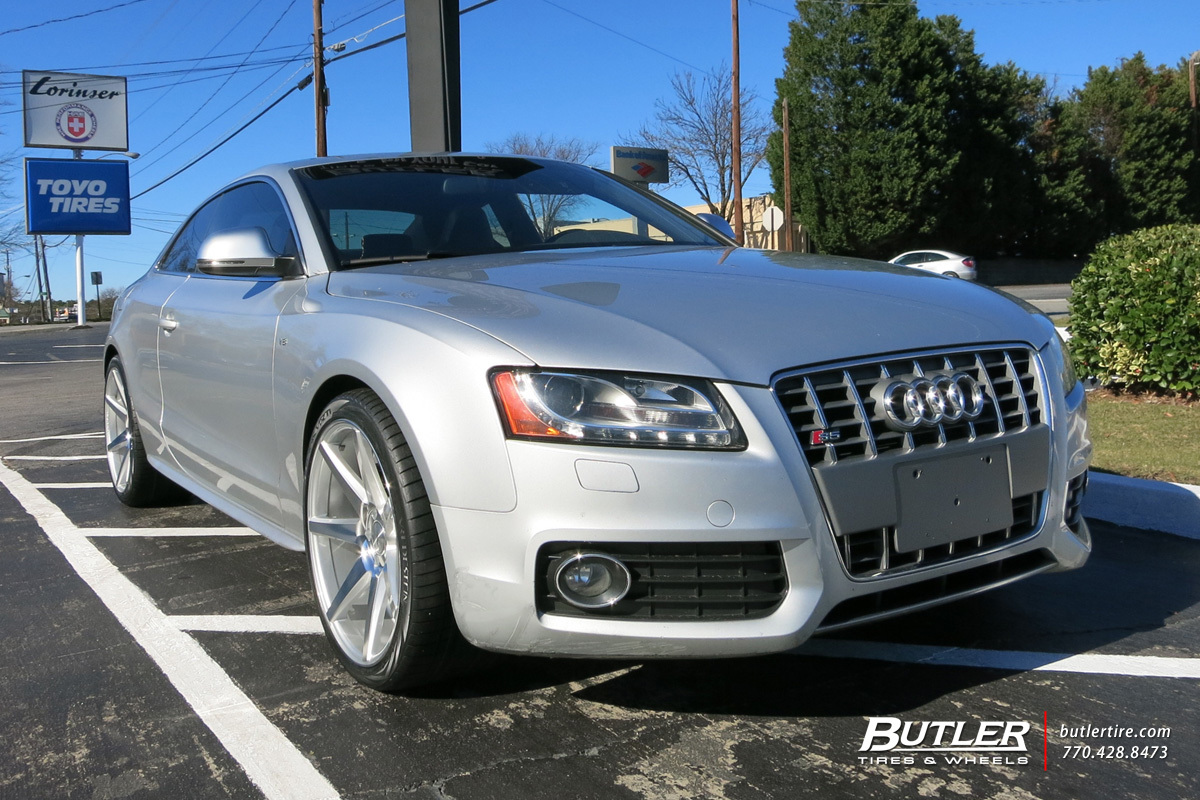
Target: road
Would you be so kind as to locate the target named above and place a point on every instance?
(1053, 299)
(169, 653)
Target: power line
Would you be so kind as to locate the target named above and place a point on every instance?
(399, 36)
(68, 19)
(343, 22)
(228, 30)
(213, 149)
(226, 110)
(180, 60)
(301, 85)
(225, 83)
(210, 73)
(616, 32)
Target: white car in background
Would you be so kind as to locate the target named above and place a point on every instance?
(941, 261)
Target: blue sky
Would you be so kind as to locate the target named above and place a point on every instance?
(584, 68)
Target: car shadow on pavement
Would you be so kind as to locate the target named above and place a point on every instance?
(1136, 596)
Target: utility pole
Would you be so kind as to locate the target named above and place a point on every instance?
(319, 91)
(39, 256)
(736, 160)
(8, 287)
(789, 237)
(1192, 62)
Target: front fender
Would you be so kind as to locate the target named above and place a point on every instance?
(431, 372)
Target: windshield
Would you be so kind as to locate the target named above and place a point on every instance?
(421, 207)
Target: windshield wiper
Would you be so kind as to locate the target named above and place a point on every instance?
(374, 261)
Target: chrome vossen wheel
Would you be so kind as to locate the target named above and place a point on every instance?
(352, 539)
(373, 551)
(118, 436)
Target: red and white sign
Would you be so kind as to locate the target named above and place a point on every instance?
(641, 164)
(84, 112)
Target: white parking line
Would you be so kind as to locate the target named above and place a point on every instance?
(98, 485)
(68, 346)
(154, 533)
(60, 437)
(268, 758)
(1016, 660)
(54, 361)
(54, 458)
(247, 623)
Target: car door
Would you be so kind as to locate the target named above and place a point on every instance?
(216, 350)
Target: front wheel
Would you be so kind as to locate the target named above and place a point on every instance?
(373, 550)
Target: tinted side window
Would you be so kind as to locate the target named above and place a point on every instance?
(181, 257)
(247, 206)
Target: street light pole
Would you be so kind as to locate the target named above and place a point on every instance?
(80, 299)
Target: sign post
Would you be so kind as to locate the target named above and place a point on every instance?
(772, 220)
(643, 166)
(73, 111)
(98, 279)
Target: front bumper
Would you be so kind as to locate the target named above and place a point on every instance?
(765, 494)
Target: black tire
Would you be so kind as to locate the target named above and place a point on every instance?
(369, 529)
(135, 482)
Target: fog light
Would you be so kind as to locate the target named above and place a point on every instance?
(592, 580)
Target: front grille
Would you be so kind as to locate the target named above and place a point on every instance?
(865, 608)
(839, 400)
(867, 554)
(844, 435)
(699, 581)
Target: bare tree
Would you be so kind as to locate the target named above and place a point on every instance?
(108, 296)
(578, 151)
(696, 130)
(13, 242)
(548, 211)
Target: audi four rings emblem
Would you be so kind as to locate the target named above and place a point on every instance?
(929, 400)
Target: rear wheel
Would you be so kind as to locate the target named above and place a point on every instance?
(373, 550)
(134, 480)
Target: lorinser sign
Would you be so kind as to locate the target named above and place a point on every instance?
(84, 112)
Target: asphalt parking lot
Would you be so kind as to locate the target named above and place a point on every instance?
(170, 653)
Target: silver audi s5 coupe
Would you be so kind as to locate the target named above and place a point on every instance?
(517, 405)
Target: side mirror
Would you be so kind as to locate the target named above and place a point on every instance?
(243, 253)
(717, 221)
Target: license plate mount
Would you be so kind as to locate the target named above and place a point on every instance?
(948, 499)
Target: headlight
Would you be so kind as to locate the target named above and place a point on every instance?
(615, 409)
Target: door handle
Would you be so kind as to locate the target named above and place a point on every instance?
(167, 325)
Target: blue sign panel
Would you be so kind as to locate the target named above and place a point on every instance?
(76, 196)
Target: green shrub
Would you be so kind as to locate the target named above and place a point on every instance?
(1135, 311)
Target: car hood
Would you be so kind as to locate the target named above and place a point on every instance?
(722, 313)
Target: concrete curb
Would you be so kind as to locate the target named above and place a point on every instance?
(1151, 505)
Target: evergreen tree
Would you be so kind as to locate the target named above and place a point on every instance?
(901, 137)
(1138, 121)
(1116, 155)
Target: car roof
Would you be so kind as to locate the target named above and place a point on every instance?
(281, 169)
